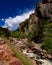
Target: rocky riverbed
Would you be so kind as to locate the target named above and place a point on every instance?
(36, 54)
(44, 55)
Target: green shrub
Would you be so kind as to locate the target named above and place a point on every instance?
(17, 34)
(47, 44)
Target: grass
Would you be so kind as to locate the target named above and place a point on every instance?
(18, 54)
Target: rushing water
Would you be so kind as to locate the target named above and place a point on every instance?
(38, 58)
(43, 61)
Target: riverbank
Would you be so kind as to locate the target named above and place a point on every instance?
(36, 54)
(18, 54)
(7, 56)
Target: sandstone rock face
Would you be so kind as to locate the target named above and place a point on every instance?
(7, 56)
(29, 23)
(32, 21)
(44, 9)
(23, 25)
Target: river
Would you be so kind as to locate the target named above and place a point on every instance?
(45, 62)
(42, 61)
(38, 58)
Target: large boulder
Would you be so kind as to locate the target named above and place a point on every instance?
(49, 56)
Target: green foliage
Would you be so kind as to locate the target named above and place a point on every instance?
(32, 32)
(18, 34)
(4, 32)
(39, 32)
(47, 43)
(23, 26)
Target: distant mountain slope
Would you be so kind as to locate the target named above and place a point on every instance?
(4, 32)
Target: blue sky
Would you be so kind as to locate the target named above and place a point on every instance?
(11, 9)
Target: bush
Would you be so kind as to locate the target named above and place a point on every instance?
(47, 44)
(17, 34)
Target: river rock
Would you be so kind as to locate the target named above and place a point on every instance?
(49, 56)
(41, 52)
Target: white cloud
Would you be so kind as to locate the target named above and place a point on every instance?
(2, 19)
(13, 23)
